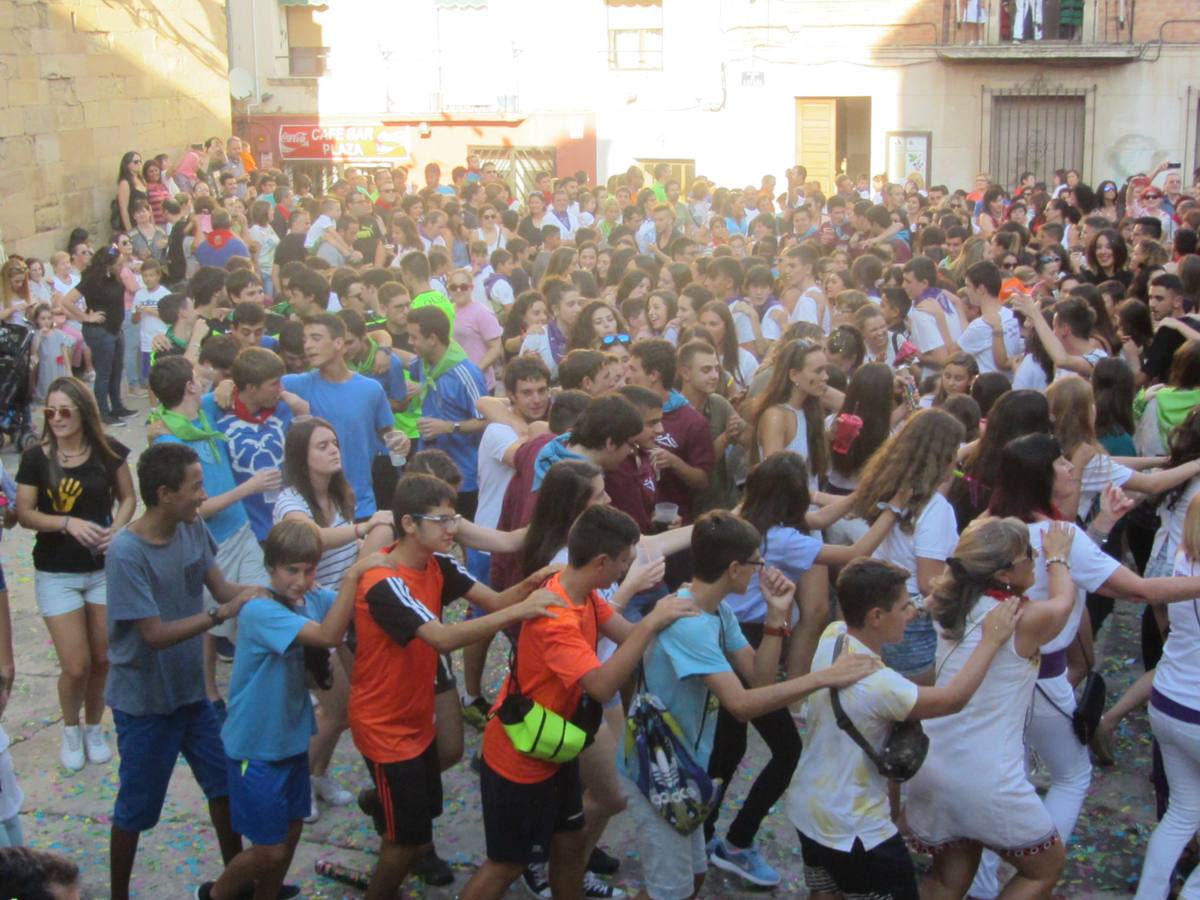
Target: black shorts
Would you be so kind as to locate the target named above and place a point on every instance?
(519, 820)
(444, 679)
(410, 797)
(466, 504)
(885, 872)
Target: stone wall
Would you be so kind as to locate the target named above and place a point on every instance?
(81, 82)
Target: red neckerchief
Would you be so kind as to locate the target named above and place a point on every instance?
(239, 410)
(219, 237)
(1002, 596)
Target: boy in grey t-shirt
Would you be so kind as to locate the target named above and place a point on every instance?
(157, 569)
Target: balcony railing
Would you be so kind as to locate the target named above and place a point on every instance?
(1095, 31)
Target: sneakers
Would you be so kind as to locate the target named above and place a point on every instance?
(595, 887)
(603, 863)
(748, 863)
(71, 753)
(537, 880)
(313, 812)
(113, 421)
(332, 792)
(433, 870)
(95, 745)
(476, 712)
(204, 892)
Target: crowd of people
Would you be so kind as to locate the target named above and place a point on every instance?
(831, 465)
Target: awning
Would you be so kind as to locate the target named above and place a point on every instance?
(303, 2)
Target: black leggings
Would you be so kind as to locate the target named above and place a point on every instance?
(779, 733)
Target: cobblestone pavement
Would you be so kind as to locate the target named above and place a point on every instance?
(70, 812)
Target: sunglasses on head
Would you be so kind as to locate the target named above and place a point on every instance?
(59, 412)
(609, 339)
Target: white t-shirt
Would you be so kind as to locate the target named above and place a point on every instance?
(1090, 568)
(747, 365)
(317, 230)
(1097, 473)
(1171, 529)
(806, 309)
(1030, 375)
(934, 536)
(976, 339)
(774, 323)
(149, 325)
(494, 475)
(837, 795)
(1093, 356)
(1178, 671)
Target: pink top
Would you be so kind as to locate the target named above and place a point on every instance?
(474, 326)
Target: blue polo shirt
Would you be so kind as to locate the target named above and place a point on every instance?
(218, 479)
(452, 398)
(252, 447)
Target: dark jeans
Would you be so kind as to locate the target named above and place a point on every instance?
(779, 733)
(108, 356)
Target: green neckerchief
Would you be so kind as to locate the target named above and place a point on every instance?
(453, 356)
(367, 366)
(282, 308)
(186, 430)
(1174, 404)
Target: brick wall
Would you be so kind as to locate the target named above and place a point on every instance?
(81, 82)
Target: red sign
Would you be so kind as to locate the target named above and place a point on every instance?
(359, 141)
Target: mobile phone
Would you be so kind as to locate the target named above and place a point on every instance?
(1174, 165)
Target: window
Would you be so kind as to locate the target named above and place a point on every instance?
(682, 170)
(635, 35)
(1037, 132)
(307, 54)
(518, 166)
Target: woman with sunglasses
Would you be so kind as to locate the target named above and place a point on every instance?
(956, 807)
(103, 289)
(476, 327)
(1150, 203)
(75, 490)
(490, 231)
(1110, 205)
(130, 188)
(596, 322)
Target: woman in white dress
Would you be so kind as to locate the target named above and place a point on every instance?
(490, 231)
(972, 791)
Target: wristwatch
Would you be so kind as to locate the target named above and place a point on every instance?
(214, 618)
(457, 427)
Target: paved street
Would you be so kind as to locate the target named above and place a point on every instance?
(70, 812)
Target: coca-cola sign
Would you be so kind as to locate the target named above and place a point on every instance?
(345, 141)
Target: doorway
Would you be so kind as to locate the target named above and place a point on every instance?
(833, 136)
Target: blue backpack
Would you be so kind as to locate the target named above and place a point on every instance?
(660, 762)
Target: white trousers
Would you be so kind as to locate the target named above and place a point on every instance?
(1180, 745)
(1032, 8)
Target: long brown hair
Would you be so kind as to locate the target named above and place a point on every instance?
(89, 417)
(296, 474)
(1071, 406)
(792, 358)
(917, 459)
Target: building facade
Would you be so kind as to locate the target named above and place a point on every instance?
(83, 82)
(731, 89)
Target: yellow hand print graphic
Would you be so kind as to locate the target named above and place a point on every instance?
(69, 490)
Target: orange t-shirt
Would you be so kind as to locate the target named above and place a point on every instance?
(392, 689)
(552, 655)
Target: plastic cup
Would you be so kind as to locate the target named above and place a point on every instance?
(398, 459)
(665, 513)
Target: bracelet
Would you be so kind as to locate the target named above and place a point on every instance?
(781, 631)
(1062, 560)
(63, 528)
(357, 532)
(898, 513)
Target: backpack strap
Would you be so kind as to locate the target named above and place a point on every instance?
(843, 720)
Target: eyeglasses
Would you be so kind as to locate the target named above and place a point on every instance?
(609, 339)
(59, 412)
(752, 562)
(444, 521)
(458, 287)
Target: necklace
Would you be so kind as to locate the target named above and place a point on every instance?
(65, 455)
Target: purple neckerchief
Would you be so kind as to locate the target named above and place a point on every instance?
(942, 300)
(771, 301)
(564, 218)
(558, 341)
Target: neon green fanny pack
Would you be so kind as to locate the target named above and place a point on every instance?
(539, 732)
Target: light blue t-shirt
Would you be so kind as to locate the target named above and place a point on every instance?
(252, 447)
(686, 651)
(270, 715)
(788, 550)
(452, 398)
(357, 409)
(218, 479)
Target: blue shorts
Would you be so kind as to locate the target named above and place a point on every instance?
(915, 654)
(266, 796)
(149, 748)
(479, 564)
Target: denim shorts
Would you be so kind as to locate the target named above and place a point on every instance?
(266, 796)
(150, 746)
(64, 592)
(916, 653)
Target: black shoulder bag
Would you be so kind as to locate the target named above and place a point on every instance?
(905, 747)
(1090, 706)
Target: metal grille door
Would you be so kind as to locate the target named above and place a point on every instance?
(518, 166)
(1036, 132)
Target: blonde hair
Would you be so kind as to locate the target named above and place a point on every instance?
(1191, 530)
(917, 459)
(57, 257)
(1072, 410)
(986, 546)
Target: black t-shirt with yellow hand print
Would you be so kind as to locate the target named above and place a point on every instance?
(87, 491)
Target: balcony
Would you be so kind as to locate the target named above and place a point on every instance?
(1101, 33)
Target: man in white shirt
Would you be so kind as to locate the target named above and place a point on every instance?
(993, 336)
(942, 307)
(838, 800)
(560, 215)
(527, 383)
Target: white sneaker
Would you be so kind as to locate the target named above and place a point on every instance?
(70, 754)
(96, 745)
(332, 792)
(313, 812)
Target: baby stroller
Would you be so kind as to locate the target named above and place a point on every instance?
(16, 354)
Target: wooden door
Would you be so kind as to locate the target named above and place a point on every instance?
(816, 139)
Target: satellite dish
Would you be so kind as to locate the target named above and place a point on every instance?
(241, 84)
